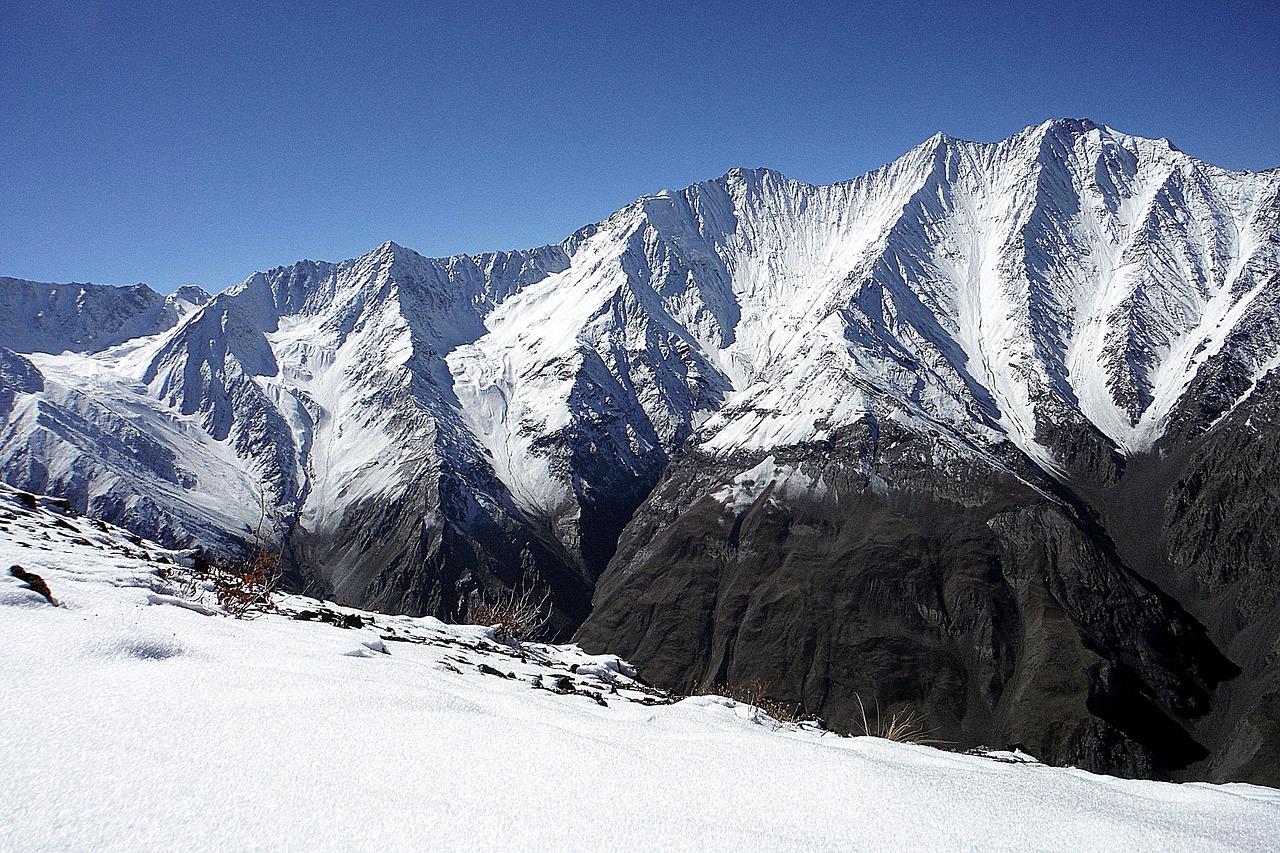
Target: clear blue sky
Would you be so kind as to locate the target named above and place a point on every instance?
(199, 141)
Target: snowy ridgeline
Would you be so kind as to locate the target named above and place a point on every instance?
(1070, 275)
(135, 718)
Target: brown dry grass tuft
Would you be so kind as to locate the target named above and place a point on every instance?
(756, 694)
(901, 726)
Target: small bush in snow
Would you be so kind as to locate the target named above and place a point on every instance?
(514, 615)
(241, 587)
(901, 726)
(756, 694)
(249, 585)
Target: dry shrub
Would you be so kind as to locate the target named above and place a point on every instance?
(249, 586)
(241, 587)
(516, 615)
(901, 726)
(756, 694)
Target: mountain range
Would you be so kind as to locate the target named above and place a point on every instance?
(990, 433)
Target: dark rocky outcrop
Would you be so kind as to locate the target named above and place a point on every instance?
(912, 574)
(1218, 537)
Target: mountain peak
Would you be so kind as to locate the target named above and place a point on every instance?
(193, 293)
(740, 174)
(390, 250)
(393, 255)
(1072, 126)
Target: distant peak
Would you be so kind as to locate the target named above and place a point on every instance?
(739, 176)
(751, 178)
(392, 252)
(1072, 126)
(740, 173)
(192, 293)
(933, 145)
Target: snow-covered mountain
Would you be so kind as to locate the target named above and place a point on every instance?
(87, 317)
(899, 437)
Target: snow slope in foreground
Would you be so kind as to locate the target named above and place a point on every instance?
(128, 721)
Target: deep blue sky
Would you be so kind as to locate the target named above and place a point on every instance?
(198, 141)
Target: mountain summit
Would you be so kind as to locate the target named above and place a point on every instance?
(988, 432)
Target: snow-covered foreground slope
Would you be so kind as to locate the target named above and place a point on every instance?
(129, 721)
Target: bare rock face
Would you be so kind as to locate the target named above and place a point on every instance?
(886, 569)
(1223, 560)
